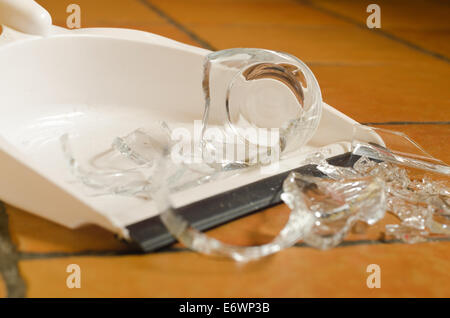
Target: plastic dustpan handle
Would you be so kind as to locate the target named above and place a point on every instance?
(25, 16)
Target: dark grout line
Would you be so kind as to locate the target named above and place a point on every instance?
(408, 123)
(36, 256)
(33, 256)
(205, 44)
(376, 31)
(171, 250)
(9, 270)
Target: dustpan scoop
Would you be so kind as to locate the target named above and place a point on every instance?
(95, 84)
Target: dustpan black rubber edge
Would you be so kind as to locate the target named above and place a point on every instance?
(151, 234)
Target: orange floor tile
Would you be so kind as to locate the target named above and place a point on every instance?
(396, 77)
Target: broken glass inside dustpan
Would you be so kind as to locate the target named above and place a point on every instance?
(92, 105)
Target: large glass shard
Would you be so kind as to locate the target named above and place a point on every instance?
(201, 243)
(269, 100)
(130, 173)
(398, 148)
(124, 182)
(297, 225)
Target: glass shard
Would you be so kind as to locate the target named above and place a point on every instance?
(398, 148)
(124, 182)
(406, 234)
(269, 100)
(335, 205)
(142, 145)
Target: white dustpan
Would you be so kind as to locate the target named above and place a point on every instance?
(94, 84)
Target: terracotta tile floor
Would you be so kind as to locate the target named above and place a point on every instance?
(396, 77)
(2, 288)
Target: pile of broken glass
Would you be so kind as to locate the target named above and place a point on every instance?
(324, 210)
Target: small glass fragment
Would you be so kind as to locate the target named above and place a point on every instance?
(337, 173)
(142, 145)
(406, 234)
(315, 158)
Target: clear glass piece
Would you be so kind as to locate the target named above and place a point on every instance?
(422, 205)
(398, 148)
(335, 205)
(269, 100)
(192, 238)
(142, 145)
(128, 166)
(406, 234)
(124, 182)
